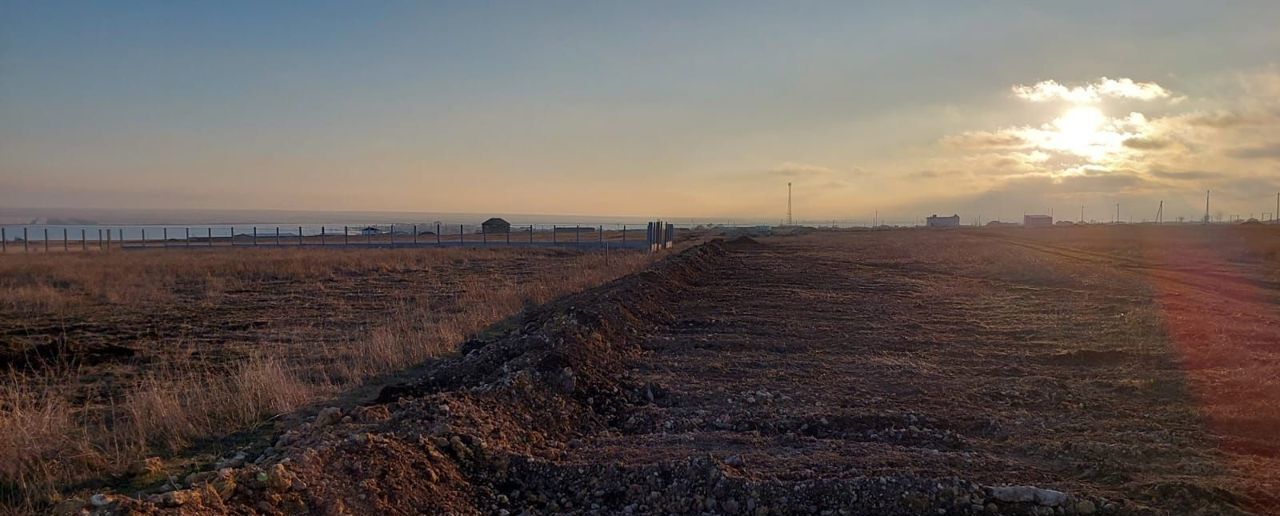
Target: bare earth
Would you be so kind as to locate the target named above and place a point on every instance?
(904, 372)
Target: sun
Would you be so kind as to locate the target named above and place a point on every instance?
(1086, 132)
(1079, 129)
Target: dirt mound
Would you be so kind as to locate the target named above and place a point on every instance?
(743, 242)
(444, 443)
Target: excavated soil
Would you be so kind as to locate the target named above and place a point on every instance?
(863, 374)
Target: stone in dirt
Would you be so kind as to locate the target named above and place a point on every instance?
(328, 416)
(1027, 494)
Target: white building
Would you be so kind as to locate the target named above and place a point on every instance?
(934, 221)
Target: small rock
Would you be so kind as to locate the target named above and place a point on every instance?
(566, 381)
(99, 500)
(280, 478)
(1050, 498)
(735, 461)
(234, 462)
(328, 416)
(1085, 507)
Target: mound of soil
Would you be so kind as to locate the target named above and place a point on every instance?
(743, 242)
(445, 443)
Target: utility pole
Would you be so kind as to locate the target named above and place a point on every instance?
(1160, 212)
(789, 222)
(1206, 206)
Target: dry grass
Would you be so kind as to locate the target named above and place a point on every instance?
(390, 310)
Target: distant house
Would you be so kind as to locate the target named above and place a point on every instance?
(934, 221)
(370, 231)
(1037, 221)
(496, 225)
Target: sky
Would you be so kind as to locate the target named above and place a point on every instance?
(677, 109)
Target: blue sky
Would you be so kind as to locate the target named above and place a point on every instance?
(636, 108)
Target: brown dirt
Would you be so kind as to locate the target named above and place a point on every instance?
(904, 372)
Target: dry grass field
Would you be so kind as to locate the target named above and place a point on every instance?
(109, 359)
(1071, 370)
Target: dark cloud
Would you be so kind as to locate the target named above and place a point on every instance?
(1271, 151)
(1221, 120)
(985, 140)
(1147, 143)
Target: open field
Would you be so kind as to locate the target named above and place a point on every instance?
(1109, 370)
(109, 359)
(200, 238)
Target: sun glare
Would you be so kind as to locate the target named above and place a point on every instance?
(1084, 131)
(1079, 128)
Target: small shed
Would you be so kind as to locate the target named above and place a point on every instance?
(496, 225)
(935, 221)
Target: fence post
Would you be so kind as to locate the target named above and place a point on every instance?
(233, 236)
(321, 236)
(415, 235)
(624, 235)
(531, 235)
(346, 235)
(391, 233)
(299, 236)
(209, 233)
(600, 231)
(4, 241)
(84, 240)
(164, 242)
(144, 238)
(461, 239)
(26, 245)
(46, 240)
(577, 235)
(64, 240)
(437, 233)
(277, 236)
(553, 235)
(255, 235)
(187, 236)
(119, 238)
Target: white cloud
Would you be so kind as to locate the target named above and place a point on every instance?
(1045, 91)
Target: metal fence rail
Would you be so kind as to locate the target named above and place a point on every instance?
(658, 235)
